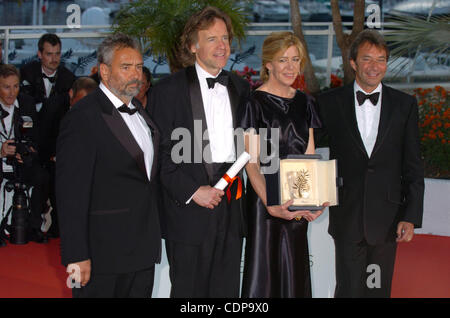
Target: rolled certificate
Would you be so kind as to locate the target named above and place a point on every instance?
(233, 171)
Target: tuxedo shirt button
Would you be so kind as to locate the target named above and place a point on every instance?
(371, 170)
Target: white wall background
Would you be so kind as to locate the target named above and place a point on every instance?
(436, 216)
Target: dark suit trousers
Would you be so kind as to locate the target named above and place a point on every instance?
(129, 285)
(364, 270)
(211, 269)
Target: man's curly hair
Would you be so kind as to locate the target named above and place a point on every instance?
(202, 20)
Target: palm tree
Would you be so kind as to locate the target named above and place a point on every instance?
(411, 35)
(345, 40)
(312, 83)
(159, 24)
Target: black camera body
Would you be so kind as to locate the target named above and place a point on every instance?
(24, 148)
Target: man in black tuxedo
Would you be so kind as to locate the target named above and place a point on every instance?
(51, 115)
(203, 232)
(54, 110)
(373, 134)
(47, 77)
(17, 113)
(106, 164)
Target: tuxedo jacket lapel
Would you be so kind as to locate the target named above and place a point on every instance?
(198, 114)
(40, 86)
(15, 121)
(120, 130)
(385, 118)
(57, 87)
(349, 115)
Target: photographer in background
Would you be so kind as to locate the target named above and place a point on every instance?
(18, 135)
(46, 77)
(50, 117)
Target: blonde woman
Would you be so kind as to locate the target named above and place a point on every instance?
(277, 260)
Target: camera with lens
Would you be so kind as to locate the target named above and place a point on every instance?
(20, 209)
(20, 213)
(25, 149)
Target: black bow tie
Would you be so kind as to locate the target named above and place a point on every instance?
(361, 97)
(52, 79)
(125, 109)
(221, 79)
(3, 113)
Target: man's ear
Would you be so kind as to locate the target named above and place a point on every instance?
(353, 65)
(39, 54)
(71, 93)
(104, 72)
(194, 48)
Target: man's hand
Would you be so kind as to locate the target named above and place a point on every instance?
(8, 150)
(84, 274)
(19, 158)
(405, 231)
(208, 197)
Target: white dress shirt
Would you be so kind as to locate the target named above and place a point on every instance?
(138, 128)
(48, 88)
(219, 119)
(7, 131)
(48, 85)
(368, 117)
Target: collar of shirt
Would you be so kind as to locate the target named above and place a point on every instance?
(8, 107)
(6, 126)
(51, 75)
(113, 98)
(203, 75)
(356, 88)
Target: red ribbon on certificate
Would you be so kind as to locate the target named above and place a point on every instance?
(230, 182)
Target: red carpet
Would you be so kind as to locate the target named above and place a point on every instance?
(34, 270)
(422, 268)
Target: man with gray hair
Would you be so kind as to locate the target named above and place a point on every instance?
(106, 165)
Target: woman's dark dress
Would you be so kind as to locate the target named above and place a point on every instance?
(276, 253)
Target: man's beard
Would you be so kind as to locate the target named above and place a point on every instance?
(127, 92)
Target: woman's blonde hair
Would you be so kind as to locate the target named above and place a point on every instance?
(276, 43)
